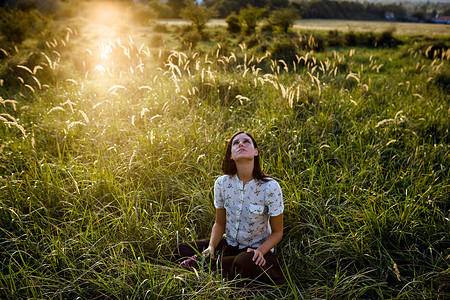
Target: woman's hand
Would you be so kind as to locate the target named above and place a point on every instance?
(217, 232)
(258, 257)
(209, 250)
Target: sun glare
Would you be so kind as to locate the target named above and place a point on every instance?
(105, 20)
(103, 57)
(106, 13)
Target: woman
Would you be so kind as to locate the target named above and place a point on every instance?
(249, 209)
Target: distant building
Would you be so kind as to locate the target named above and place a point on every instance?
(389, 15)
(443, 20)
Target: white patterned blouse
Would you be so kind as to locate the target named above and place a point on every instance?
(248, 209)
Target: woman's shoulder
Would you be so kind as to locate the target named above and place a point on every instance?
(223, 179)
(270, 183)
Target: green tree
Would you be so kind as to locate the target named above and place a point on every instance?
(398, 10)
(17, 25)
(277, 4)
(197, 14)
(18, 4)
(283, 19)
(249, 18)
(224, 7)
(419, 14)
(176, 6)
(161, 9)
(233, 25)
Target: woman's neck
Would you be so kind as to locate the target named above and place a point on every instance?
(245, 171)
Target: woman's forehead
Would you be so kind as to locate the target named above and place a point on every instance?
(241, 136)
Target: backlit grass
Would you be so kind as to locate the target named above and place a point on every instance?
(109, 150)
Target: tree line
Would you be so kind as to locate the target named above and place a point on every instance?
(303, 9)
(317, 9)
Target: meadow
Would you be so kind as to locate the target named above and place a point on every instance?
(401, 28)
(111, 139)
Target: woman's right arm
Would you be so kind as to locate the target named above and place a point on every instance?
(217, 231)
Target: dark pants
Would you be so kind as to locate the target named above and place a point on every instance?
(234, 261)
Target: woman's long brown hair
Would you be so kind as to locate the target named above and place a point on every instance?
(229, 166)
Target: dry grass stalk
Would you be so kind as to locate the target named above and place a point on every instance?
(30, 88)
(6, 115)
(131, 158)
(5, 53)
(37, 81)
(144, 111)
(20, 127)
(383, 122)
(70, 104)
(284, 64)
(242, 99)
(56, 108)
(354, 76)
(245, 72)
(12, 102)
(397, 272)
(72, 124)
(51, 64)
(25, 68)
(85, 117)
(266, 55)
(255, 70)
(208, 61)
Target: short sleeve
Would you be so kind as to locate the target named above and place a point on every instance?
(218, 193)
(274, 199)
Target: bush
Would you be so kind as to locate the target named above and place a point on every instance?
(282, 20)
(190, 39)
(443, 80)
(17, 25)
(267, 28)
(161, 9)
(12, 72)
(308, 42)
(334, 38)
(142, 15)
(350, 39)
(252, 41)
(11, 26)
(436, 50)
(284, 49)
(386, 39)
(233, 25)
(367, 39)
(249, 18)
(198, 15)
(157, 40)
(19, 4)
(68, 10)
(49, 6)
(222, 47)
(161, 28)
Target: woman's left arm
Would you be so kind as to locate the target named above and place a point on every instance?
(276, 224)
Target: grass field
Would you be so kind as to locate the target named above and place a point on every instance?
(401, 28)
(110, 142)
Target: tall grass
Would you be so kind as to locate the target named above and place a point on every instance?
(109, 151)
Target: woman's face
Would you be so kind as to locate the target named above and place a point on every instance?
(242, 147)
